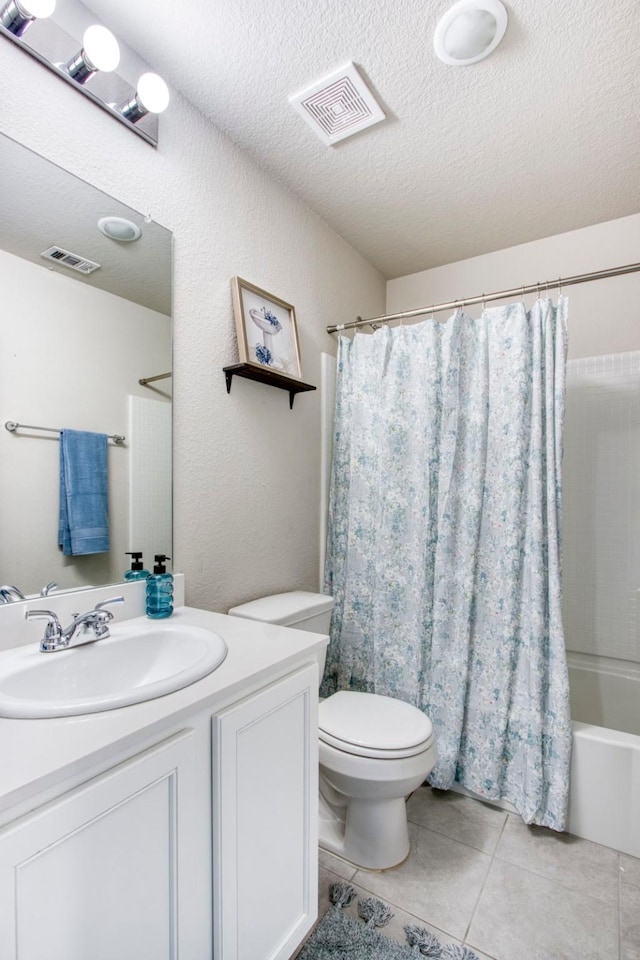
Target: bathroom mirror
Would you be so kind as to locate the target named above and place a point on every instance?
(76, 342)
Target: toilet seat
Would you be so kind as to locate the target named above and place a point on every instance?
(368, 725)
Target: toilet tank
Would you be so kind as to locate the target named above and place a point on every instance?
(298, 608)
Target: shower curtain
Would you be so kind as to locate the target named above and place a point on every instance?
(444, 542)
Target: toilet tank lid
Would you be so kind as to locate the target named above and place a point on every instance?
(285, 609)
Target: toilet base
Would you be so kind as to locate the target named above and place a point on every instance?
(372, 834)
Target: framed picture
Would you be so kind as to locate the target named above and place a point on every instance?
(266, 330)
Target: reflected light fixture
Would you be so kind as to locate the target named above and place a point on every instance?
(100, 51)
(17, 15)
(469, 31)
(152, 96)
(119, 228)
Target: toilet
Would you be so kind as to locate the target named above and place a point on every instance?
(374, 750)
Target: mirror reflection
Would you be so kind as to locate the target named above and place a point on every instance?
(77, 341)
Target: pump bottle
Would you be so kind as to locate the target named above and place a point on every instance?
(137, 571)
(160, 590)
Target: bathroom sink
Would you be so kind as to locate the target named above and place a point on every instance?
(139, 661)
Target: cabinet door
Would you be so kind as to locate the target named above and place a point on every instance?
(265, 788)
(95, 874)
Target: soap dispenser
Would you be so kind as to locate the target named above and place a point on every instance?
(137, 571)
(160, 590)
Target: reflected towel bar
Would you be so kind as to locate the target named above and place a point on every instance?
(12, 426)
(159, 376)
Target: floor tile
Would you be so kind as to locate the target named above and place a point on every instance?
(439, 882)
(336, 864)
(630, 869)
(522, 914)
(580, 864)
(629, 922)
(470, 821)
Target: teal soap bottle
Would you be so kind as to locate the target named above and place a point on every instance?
(160, 590)
(137, 571)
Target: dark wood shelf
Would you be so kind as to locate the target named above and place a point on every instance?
(264, 375)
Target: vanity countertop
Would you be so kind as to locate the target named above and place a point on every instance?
(38, 754)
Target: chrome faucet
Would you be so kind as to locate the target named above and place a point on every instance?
(84, 628)
(9, 594)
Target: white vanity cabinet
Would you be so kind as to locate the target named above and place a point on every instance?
(104, 870)
(265, 815)
(201, 846)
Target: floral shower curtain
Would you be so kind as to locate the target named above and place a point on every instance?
(444, 542)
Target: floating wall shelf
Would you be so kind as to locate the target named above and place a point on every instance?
(264, 375)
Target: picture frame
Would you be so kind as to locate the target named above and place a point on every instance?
(266, 330)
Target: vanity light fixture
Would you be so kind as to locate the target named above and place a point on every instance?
(152, 96)
(100, 51)
(56, 45)
(119, 228)
(469, 31)
(17, 15)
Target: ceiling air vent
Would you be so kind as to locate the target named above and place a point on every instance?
(338, 106)
(71, 260)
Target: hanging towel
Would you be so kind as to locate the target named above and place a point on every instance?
(83, 525)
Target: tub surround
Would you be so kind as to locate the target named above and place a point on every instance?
(165, 787)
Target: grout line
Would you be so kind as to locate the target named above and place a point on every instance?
(484, 882)
(619, 910)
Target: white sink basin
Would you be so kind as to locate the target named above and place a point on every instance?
(139, 661)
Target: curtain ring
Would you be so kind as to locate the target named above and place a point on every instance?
(484, 305)
(522, 296)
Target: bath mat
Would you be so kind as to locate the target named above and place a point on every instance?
(340, 937)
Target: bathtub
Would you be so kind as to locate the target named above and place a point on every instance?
(604, 803)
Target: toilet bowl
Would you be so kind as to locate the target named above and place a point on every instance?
(374, 751)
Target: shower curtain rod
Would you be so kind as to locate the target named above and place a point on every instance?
(487, 297)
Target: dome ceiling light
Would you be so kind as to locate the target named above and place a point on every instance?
(469, 31)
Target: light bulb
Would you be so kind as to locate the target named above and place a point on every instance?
(100, 51)
(152, 96)
(153, 93)
(101, 48)
(16, 16)
(37, 9)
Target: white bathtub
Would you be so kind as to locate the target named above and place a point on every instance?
(604, 803)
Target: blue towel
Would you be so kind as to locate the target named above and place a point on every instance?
(83, 525)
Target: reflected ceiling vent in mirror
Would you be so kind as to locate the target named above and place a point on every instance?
(338, 106)
(88, 60)
(71, 260)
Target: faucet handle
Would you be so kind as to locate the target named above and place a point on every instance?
(53, 630)
(99, 607)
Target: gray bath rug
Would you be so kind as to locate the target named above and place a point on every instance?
(339, 937)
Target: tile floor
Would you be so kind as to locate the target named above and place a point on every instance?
(477, 875)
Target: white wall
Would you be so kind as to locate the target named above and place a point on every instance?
(246, 468)
(72, 354)
(604, 316)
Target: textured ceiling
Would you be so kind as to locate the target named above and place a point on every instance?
(540, 138)
(53, 207)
